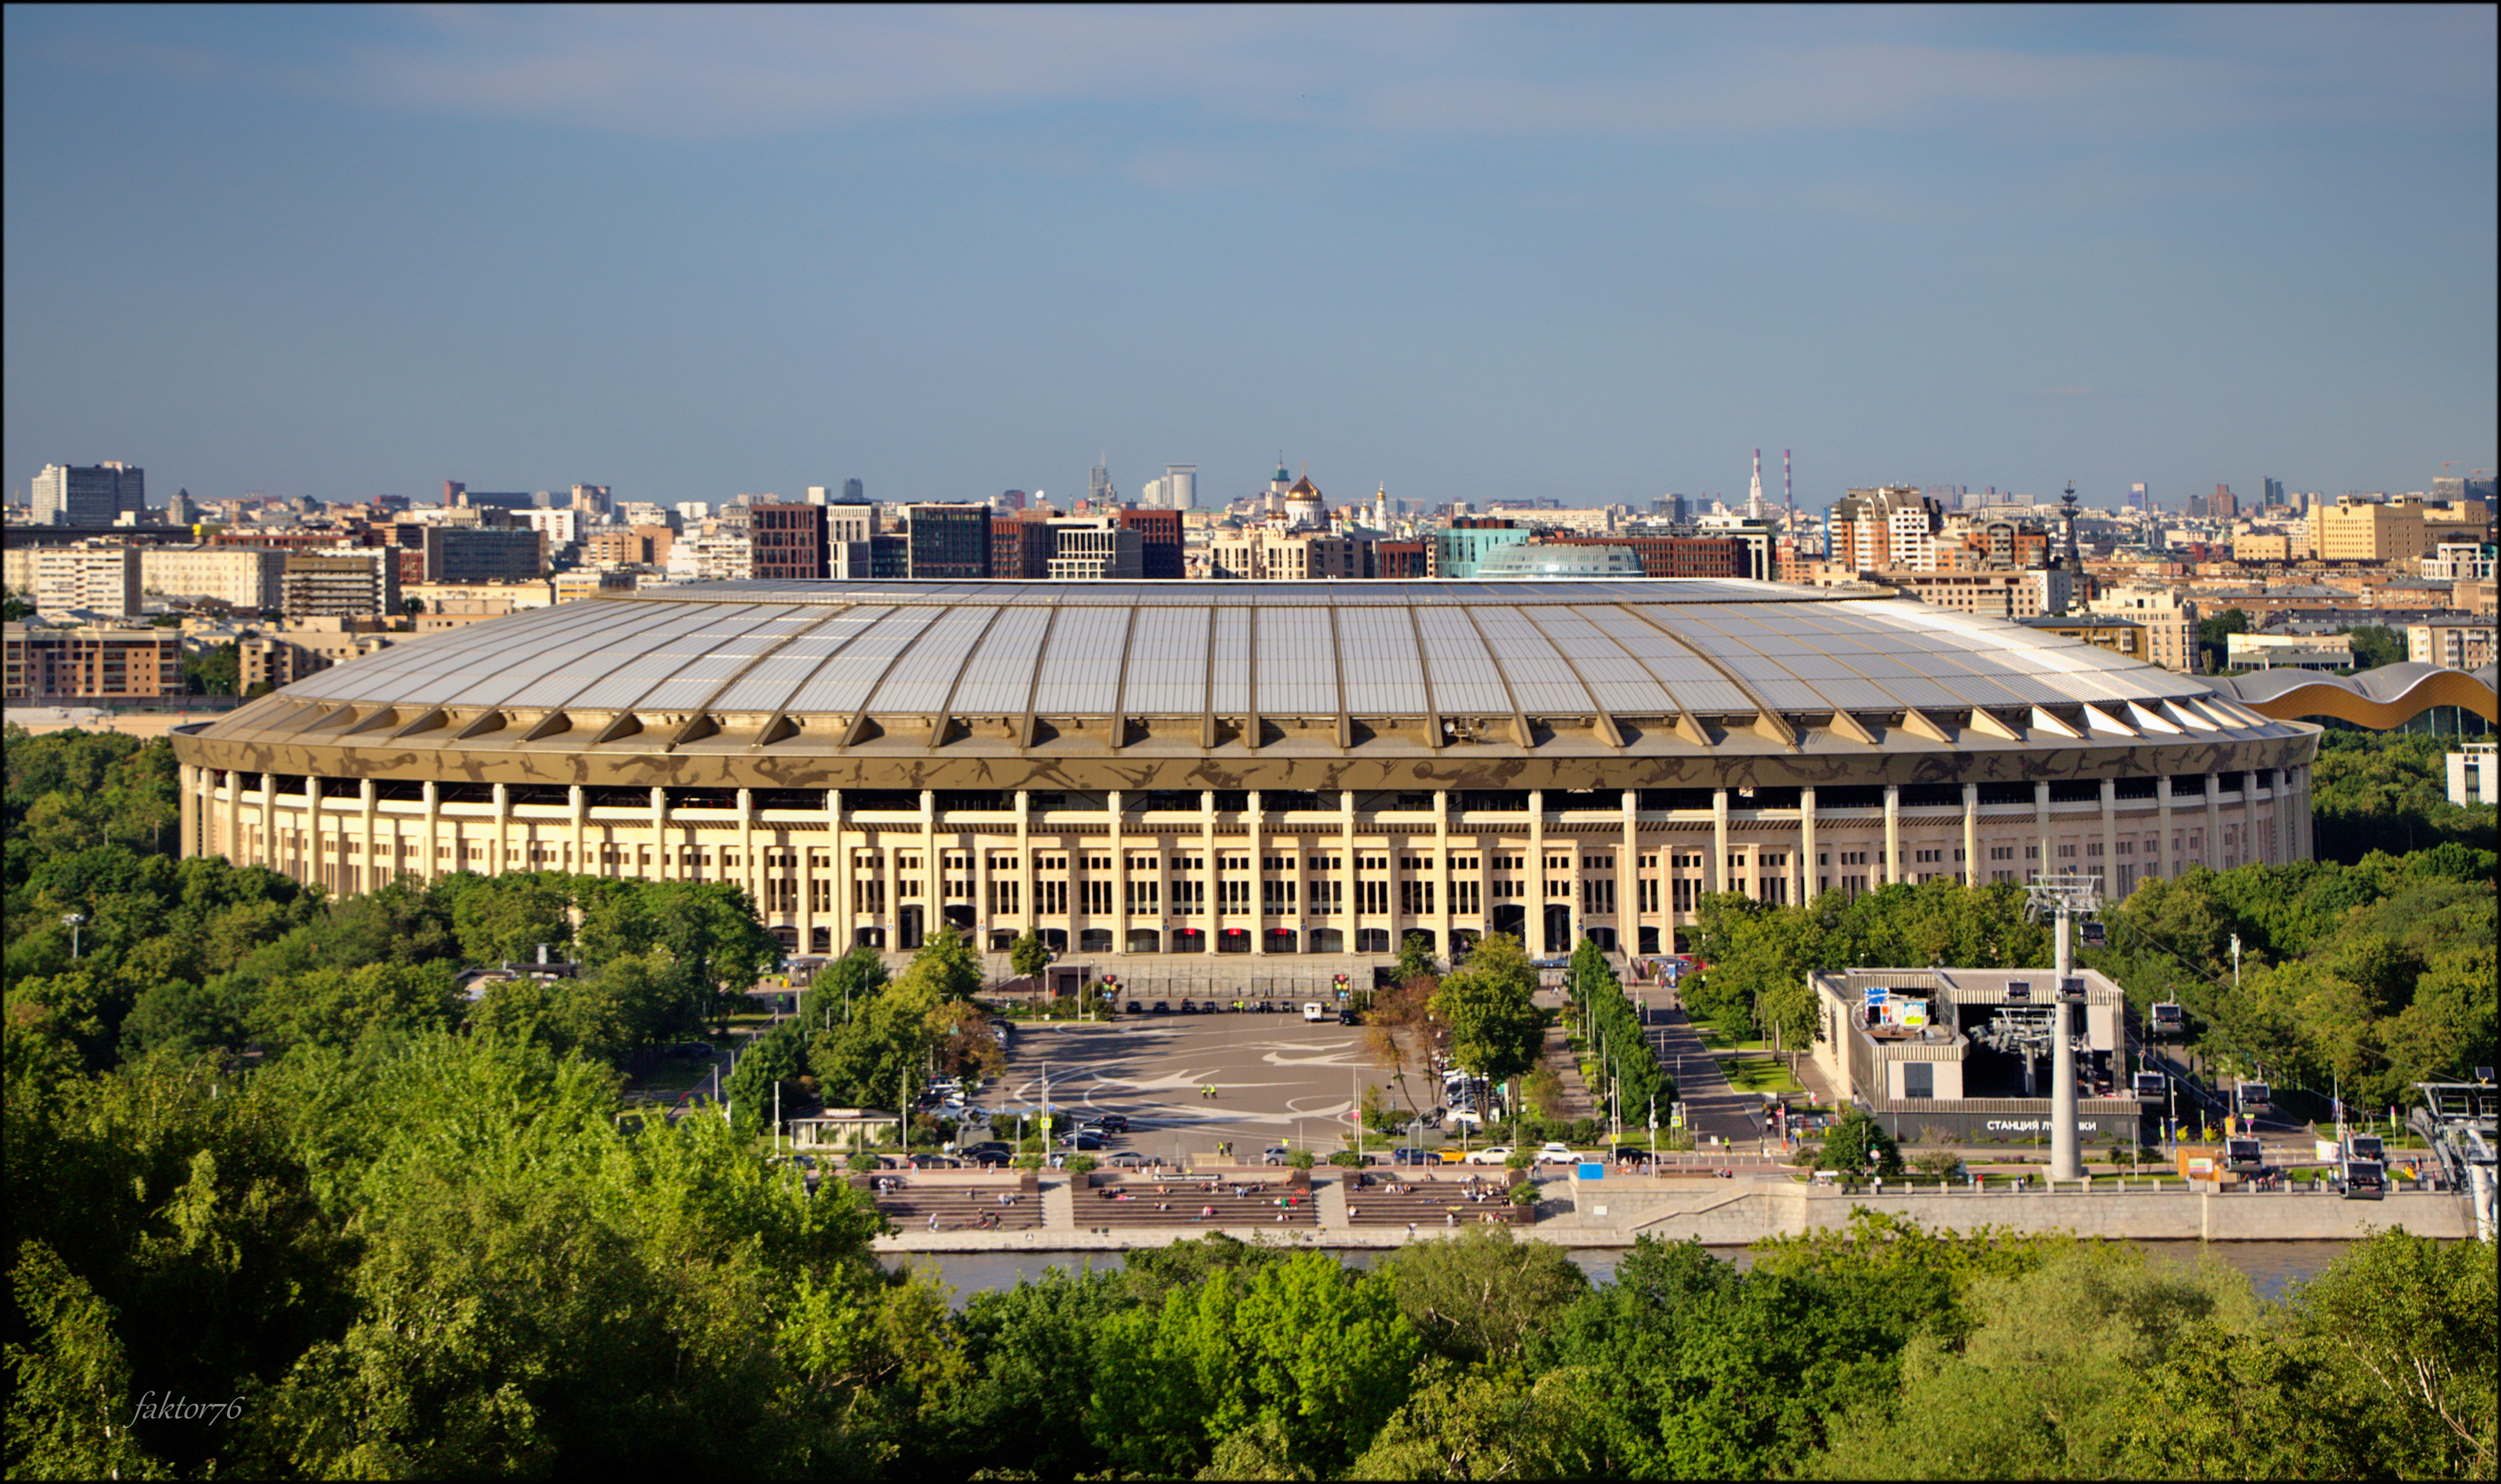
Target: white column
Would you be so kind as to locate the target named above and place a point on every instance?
(2214, 820)
(1258, 876)
(187, 793)
(838, 862)
(433, 829)
(370, 797)
(1346, 878)
(1532, 920)
(234, 817)
(1971, 834)
(1119, 876)
(1809, 862)
(497, 857)
(1718, 877)
(2109, 837)
(2162, 817)
(1212, 913)
(577, 804)
(1025, 902)
(1442, 872)
(751, 878)
(1893, 834)
(1628, 912)
(660, 845)
(2041, 828)
(307, 838)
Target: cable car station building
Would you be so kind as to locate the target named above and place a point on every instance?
(1157, 775)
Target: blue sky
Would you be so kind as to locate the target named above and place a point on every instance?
(1596, 254)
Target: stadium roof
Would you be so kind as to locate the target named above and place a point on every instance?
(1163, 674)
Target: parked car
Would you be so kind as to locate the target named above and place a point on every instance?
(1552, 1153)
(936, 1161)
(1453, 1156)
(1082, 1142)
(990, 1159)
(987, 1148)
(1127, 1160)
(1314, 1012)
(1207, 1007)
(1189, 1007)
(1491, 1154)
(1277, 1155)
(1133, 1009)
(1411, 1155)
(1113, 1123)
(1348, 1018)
(1163, 1007)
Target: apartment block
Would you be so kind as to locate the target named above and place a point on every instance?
(92, 577)
(238, 577)
(99, 662)
(2458, 646)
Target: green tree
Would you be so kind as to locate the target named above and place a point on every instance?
(1495, 1030)
(946, 965)
(214, 669)
(1416, 958)
(1029, 955)
(70, 1413)
(1857, 1144)
(1483, 1296)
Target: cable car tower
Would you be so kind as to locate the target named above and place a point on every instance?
(2063, 898)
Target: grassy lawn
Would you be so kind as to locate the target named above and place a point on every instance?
(669, 1077)
(1760, 1077)
(1722, 1038)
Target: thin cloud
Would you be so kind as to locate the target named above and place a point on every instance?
(716, 72)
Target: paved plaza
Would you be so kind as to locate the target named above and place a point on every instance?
(1277, 1080)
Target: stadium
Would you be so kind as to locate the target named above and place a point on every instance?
(1155, 775)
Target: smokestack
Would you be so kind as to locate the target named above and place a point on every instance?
(1788, 495)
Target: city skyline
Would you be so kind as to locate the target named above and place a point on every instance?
(1588, 255)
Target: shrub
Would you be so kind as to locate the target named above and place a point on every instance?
(864, 1163)
(1346, 1157)
(1083, 1163)
(1301, 1159)
(1938, 1164)
(1027, 1161)
(1523, 1194)
(1521, 1159)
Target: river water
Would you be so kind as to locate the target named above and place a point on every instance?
(2272, 1266)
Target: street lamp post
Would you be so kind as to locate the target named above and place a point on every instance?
(74, 921)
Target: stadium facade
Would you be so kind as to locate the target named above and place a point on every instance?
(1302, 773)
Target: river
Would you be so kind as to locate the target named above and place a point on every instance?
(2272, 1266)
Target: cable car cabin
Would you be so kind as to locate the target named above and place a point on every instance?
(2253, 1096)
(2096, 936)
(2365, 1180)
(2244, 1157)
(2153, 1087)
(2169, 1019)
(2366, 1146)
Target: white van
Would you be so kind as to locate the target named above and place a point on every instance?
(1314, 1012)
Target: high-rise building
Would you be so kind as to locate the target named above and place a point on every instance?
(789, 541)
(854, 492)
(2137, 499)
(948, 542)
(2367, 530)
(2274, 492)
(484, 555)
(1094, 550)
(1160, 542)
(1886, 528)
(1020, 547)
(182, 509)
(360, 583)
(593, 500)
(1012, 499)
(2222, 505)
(88, 495)
(849, 521)
(1177, 489)
(93, 576)
(1099, 490)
